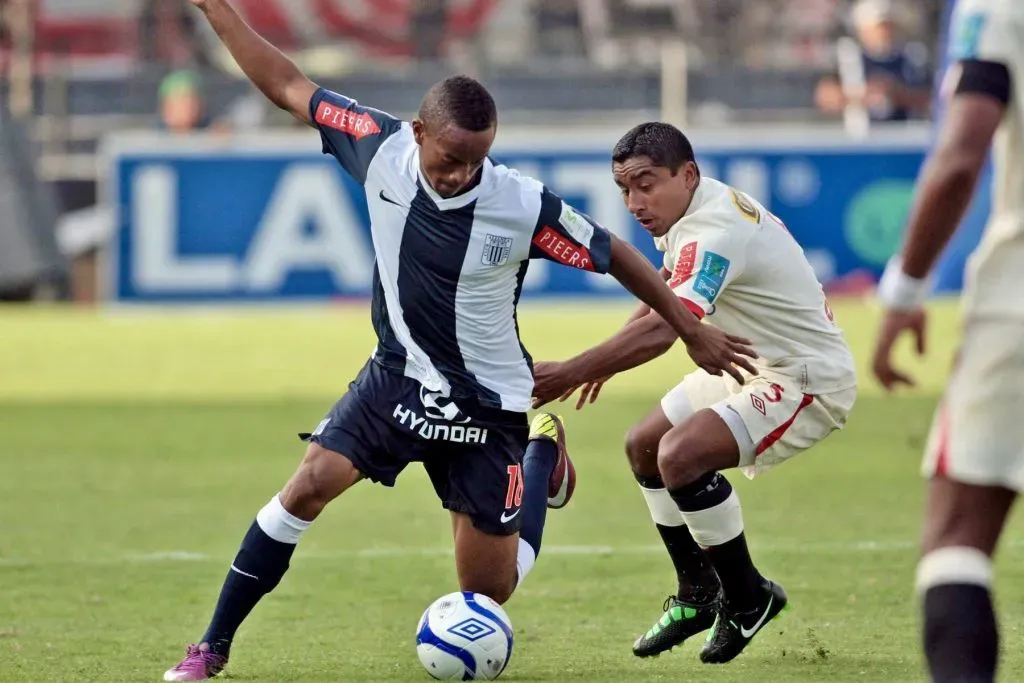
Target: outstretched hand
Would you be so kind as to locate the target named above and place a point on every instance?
(588, 392)
(550, 381)
(894, 324)
(716, 352)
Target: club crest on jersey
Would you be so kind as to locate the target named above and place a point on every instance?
(711, 276)
(347, 121)
(745, 206)
(496, 250)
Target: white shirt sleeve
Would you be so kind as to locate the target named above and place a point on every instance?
(704, 267)
(986, 31)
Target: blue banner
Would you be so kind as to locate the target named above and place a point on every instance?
(207, 221)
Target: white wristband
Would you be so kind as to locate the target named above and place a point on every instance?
(899, 291)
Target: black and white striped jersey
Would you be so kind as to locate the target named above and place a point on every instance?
(449, 271)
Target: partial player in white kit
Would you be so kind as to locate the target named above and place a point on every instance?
(734, 265)
(975, 456)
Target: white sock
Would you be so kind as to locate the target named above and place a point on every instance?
(525, 559)
(664, 510)
(954, 565)
(716, 525)
(279, 524)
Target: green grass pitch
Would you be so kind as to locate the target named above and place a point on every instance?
(137, 445)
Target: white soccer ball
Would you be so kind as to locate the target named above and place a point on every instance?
(464, 637)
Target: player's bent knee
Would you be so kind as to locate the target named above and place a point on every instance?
(678, 470)
(680, 459)
(321, 477)
(642, 451)
(704, 443)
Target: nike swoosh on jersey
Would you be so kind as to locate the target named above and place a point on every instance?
(749, 633)
(388, 199)
(505, 519)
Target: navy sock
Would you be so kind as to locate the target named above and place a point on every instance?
(538, 462)
(257, 569)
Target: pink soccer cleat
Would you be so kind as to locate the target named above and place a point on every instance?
(563, 477)
(199, 665)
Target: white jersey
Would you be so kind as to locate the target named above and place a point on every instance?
(732, 260)
(993, 31)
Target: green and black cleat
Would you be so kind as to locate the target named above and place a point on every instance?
(733, 630)
(680, 621)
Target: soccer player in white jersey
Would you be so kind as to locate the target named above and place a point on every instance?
(449, 383)
(975, 456)
(733, 264)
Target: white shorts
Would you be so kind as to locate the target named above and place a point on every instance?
(772, 419)
(977, 436)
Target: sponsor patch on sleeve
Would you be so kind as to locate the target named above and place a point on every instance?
(560, 249)
(347, 121)
(967, 36)
(578, 227)
(685, 262)
(711, 276)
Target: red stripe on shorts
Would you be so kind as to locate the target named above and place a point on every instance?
(770, 440)
(942, 462)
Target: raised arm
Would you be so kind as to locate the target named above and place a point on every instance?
(268, 68)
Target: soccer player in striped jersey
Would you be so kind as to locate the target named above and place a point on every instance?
(449, 382)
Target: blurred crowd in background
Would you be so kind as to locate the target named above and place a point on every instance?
(73, 70)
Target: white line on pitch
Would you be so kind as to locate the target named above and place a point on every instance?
(819, 548)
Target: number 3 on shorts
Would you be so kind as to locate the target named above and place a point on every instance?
(514, 497)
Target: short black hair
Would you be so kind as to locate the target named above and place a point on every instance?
(663, 143)
(460, 101)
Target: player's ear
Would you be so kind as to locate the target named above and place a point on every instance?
(691, 175)
(417, 131)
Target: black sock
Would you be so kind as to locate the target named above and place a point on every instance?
(257, 569)
(538, 462)
(961, 639)
(741, 581)
(698, 582)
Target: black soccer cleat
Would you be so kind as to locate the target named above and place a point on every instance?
(733, 630)
(680, 621)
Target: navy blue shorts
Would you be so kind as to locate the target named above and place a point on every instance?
(472, 454)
